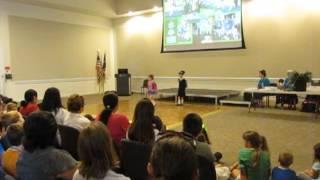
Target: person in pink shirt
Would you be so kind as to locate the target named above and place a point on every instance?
(152, 88)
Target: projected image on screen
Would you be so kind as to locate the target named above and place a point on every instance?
(202, 25)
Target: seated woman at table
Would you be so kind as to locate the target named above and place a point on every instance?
(263, 82)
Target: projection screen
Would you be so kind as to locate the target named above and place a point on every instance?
(195, 25)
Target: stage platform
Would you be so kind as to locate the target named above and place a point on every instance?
(204, 93)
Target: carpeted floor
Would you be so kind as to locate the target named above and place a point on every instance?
(285, 131)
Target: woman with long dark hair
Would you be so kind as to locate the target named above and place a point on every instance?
(52, 103)
(29, 104)
(117, 123)
(142, 128)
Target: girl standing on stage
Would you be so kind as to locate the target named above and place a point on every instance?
(152, 88)
(182, 88)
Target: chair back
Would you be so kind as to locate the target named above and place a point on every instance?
(134, 157)
(69, 140)
(206, 169)
(145, 83)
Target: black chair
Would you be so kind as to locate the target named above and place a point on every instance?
(144, 86)
(134, 157)
(206, 169)
(69, 140)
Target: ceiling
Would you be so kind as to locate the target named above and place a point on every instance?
(105, 8)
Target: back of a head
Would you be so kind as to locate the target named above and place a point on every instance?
(10, 118)
(29, 96)
(15, 134)
(285, 159)
(192, 124)
(40, 130)
(173, 158)
(316, 149)
(253, 138)
(94, 149)
(142, 126)
(12, 107)
(75, 103)
(51, 100)
(110, 103)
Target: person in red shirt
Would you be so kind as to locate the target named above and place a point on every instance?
(117, 124)
(29, 104)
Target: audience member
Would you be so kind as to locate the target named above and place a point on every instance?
(6, 120)
(254, 162)
(283, 171)
(142, 128)
(95, 151)
(75, 106)
(173, 158)
(192, 124)
(11, 155)
(314, 172)
(12, 106)
(29, 104)
(117, 123)
(52, 103)
(40, 159)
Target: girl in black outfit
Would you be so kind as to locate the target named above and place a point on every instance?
(182, 88)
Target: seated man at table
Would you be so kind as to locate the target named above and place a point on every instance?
(290, 99)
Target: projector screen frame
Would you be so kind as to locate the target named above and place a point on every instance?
(243, 44)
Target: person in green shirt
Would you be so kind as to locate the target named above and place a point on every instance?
(254, 158)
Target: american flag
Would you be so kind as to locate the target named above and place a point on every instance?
(100, 70)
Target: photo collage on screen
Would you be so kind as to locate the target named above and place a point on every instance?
(191, 22)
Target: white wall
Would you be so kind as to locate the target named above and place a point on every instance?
(16, 89)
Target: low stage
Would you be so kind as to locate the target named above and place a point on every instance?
(204, 93)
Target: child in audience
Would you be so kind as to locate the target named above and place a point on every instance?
(11, 155)
(117, 124)
(6, 120)
(314, 172)
(52, 103)
(143, 128)
(192, 124)
(40, 159)
(254, 160)
(173, 158)
(283, 171)
(29, 104)
(182, 88)
(152, 88)
(96, 156)
(11, 106)
(75, 106)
